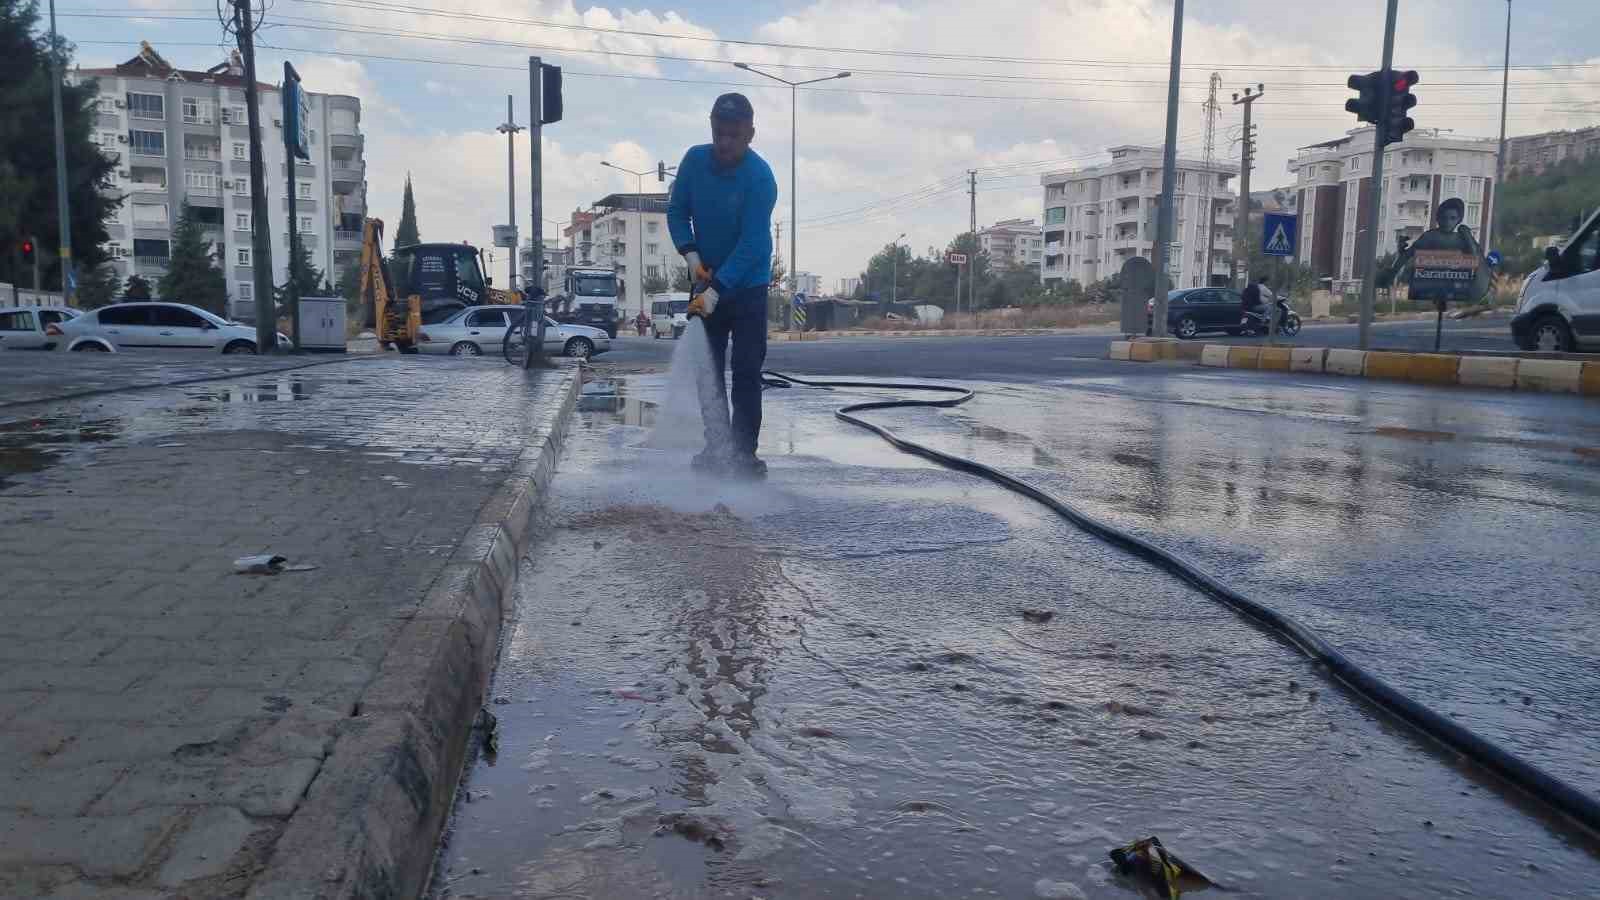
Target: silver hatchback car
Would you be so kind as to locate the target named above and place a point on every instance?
(477, 330)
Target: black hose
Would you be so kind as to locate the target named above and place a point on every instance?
(1537, 783)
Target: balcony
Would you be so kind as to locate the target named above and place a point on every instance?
(352, 141)
(347, 173)
(1126, 215)
(147, 263)
(346, 239)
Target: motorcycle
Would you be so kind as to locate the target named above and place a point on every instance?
(1255, 323)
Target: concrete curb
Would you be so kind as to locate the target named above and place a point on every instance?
(370, 823)
(933, 332)
(1523, 373)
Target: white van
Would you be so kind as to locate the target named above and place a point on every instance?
(1559, 308)
(669, 314)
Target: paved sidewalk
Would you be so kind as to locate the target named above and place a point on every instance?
(27, 377)
(161, 717)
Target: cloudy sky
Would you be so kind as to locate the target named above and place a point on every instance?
(1009, 88)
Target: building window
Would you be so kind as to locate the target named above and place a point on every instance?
(1475, 190)
(652, 249)
(652, 271)
(146, 250)
(106, 105)
(198, 112)
(1355, 164)
(246, 291)
(305, 190)
(200, 182)
(1055, 215)
(150, 214)
(1474, 213)
(241, 150)
(201, 149)
(148, 143)
(652, 227)
(241, 256)
(147, 106)
(1449, 187)
(1450, 158)
(305, 224)
(241, 221)
(237, 115)
(241, 187)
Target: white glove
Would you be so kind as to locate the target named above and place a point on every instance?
(704, 303)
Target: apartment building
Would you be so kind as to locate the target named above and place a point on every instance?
(1013, 243)
(626, 232)
(1097, 218)
(1531, 154)
(808, 283)
(1333, 180)
(181, 135)
(847, 286)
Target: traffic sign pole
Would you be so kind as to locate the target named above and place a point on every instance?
(1369, 239)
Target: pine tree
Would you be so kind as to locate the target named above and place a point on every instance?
(406, 234)
(97, 287)
(27, 160)
(307, 276)
(193, 276)
(137, 288)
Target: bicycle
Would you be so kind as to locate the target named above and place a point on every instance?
(523, 345)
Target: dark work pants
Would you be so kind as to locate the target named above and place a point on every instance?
(743, 316)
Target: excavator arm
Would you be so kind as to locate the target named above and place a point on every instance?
(395, 320)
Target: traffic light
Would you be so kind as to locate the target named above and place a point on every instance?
(661, 170)
(1366, 107)
(1400, 102)
(27, 251)
(550, 94)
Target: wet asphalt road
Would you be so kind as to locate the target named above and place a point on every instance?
(823, 686)
(1033, 356)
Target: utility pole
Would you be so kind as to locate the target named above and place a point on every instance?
(509, 128)
(1367, 253)
(1500, 158)
(533, 301)
(972, 260)
(1247, 161)
(1210, 211)
(1169, 177)
(69, 280)
(245, 25)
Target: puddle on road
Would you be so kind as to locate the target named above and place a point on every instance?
(35, 444)
(290, 389)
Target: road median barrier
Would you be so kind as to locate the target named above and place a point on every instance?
(1386, 364)
(1558, 376)
(1215, 355)
(1433, 368)
(1340, 361)
(1307, 359)
(1589, 384)
(1243, 357)
(1488, 371)
(1121, 350)
(1274, 359)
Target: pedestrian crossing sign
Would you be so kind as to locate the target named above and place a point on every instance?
(1278, 234)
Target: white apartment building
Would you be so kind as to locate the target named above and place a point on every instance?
(613, 238)
(847, 286)
(808, 283)
(1333, 181)
(180, 135)
(1097, 218)
(1013, 243)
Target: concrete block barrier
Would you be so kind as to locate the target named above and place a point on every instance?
(1589, 384)
(1143, 351)
(1215, 355)
(1243, 357)
(1381, 364)
(1188, 350)
(1122, 350)
(1345, 362)
(1274, 358)
(1488, 371)
(1560, 376)
(1306, 359)
(1433, 368)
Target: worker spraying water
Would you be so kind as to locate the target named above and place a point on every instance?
(720, 219)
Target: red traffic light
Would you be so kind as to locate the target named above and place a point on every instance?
(27, 246)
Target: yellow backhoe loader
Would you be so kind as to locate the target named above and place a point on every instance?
(419, 285)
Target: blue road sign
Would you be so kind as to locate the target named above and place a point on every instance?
(1278, 233)
(1494, 258)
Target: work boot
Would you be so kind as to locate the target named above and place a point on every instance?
(709, 461)
(748, 466)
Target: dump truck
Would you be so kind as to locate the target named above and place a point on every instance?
(419, 285)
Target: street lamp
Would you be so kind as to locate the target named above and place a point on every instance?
(638, 209)
(794, 204)
(1500, 157)
(894, 285)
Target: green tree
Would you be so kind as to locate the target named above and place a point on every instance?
(193, 276)
(406, 234)
(307, 277)
(680, 279)
(888, 273)
(655, 284)
(137, 288)
(97, 287)
(27, 154)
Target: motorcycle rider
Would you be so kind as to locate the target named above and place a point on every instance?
(1256, 296)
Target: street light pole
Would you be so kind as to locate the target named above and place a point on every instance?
(894, 285)
(638, 216)
(1500, 157)
(794, 155)
(69, 287)
(509, 128)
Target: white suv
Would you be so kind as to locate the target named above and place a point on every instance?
(28, 327)
(133, 326)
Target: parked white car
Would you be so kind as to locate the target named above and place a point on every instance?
(134, 326)
(477, 330)
(27, 327)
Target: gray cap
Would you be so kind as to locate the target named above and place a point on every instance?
(735, 107)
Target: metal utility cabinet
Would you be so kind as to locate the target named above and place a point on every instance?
(322, 324)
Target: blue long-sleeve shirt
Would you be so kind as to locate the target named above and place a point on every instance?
(725, 215)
